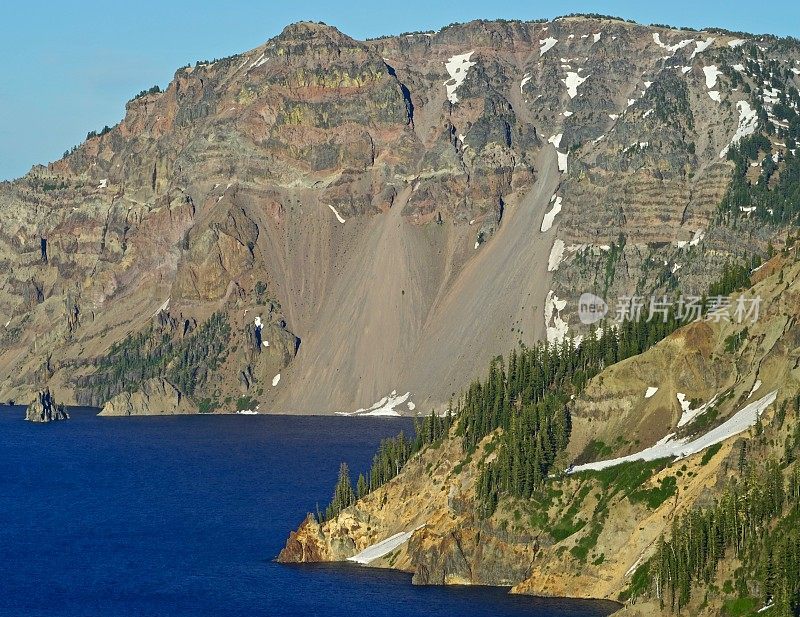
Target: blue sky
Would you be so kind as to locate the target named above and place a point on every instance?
(69, 67)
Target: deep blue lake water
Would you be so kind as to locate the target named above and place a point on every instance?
(183, 516)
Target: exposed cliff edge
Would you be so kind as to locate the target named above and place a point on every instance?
(156, 397)
(592, 533)
(433, 195)
(45, 409)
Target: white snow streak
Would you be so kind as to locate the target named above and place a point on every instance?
(457, 67)
(556, 255)
(688, 414)
(650, 391)
(556, 332)
(546, 45)
(670, 48)
(379, 549)
(681, 448)
(525, 79)
(338, 216)
(387, 406)
(712, 72)
(276, 379)
(549, 217)
(748, 120)
(161, 308)
(702, 46)
(572, 81)
(562, 162)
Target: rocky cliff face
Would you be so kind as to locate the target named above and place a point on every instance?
(156, 397)
(45, 409)
(585, 533)
(395, 211)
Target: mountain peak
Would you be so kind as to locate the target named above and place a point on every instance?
(306, 31)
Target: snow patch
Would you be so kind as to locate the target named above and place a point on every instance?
(256, 62)
(525, 79)
(384, 547)
(566, 114)
(161, 308)
(572, 81)
(556, 255)
(670, 48)
(735, 43)
(338, 216)
(687, 413)
(613, 116)
(103, 184)
(712, 72)
(556, 332)
(669, 447)
(546, 45)
(276, 379)
(457, 67)
(714, 95)
(549, 217)
(702, 46)
(756, 386)
(748, 119)
(650, 391)
(562, 161)
(556, 139)
(387, 406)
(597, 36)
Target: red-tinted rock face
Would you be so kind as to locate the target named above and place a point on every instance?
(387, 194)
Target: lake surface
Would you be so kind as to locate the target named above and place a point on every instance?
(183, 516)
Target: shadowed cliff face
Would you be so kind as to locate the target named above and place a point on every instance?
(387, 197)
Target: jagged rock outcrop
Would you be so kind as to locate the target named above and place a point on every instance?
(156, 397)
(45, 409)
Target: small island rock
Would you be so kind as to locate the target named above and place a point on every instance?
(45, 409)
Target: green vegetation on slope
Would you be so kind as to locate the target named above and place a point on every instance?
(185, 357)
(526, 401)
(755, 521)
(775, 193)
